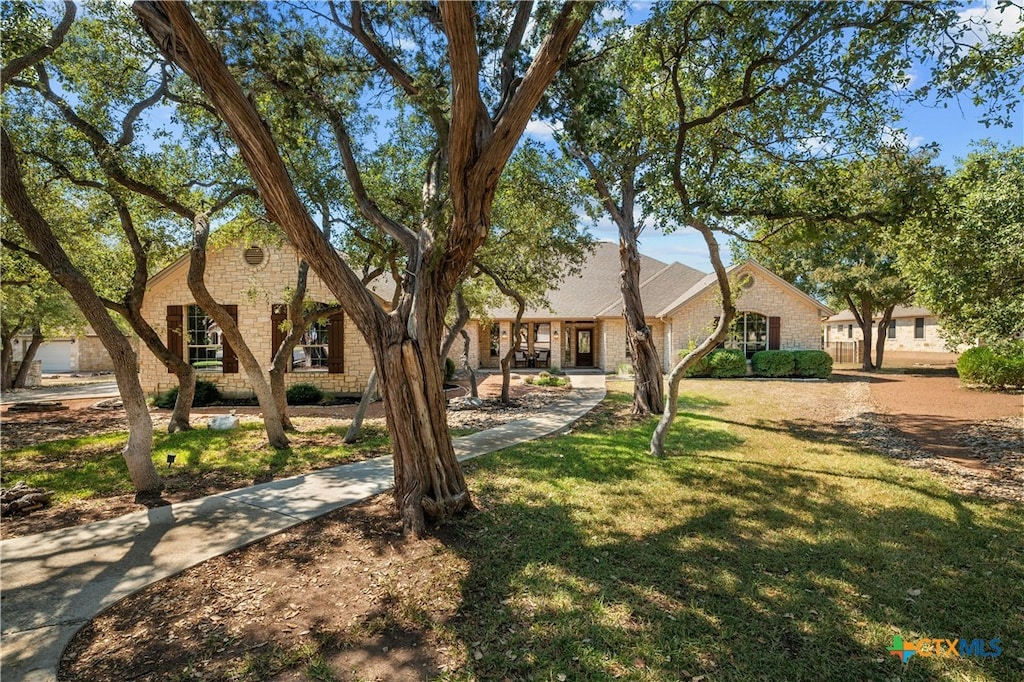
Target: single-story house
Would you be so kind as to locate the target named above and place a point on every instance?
(583, 327)
(911, 330)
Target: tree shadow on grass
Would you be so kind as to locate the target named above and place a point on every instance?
(742, 572)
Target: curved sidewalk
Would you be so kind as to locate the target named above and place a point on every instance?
(54, 583)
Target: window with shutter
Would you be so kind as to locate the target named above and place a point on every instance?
(336, 343)
(175, 332)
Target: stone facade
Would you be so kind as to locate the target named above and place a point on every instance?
(90, 355)
(254, 288)
(35, 373)
(800, 327)
(905, 339)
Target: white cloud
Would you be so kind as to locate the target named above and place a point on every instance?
(898, 137)
(542, 130)
(991, 17)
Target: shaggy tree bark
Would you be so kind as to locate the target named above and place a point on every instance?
(474, 151)
(355, 429)
(648, 387)
(883, 332)
(862, 314)
(721, 331)
(7, 334)
(229, 328)
(138, 451)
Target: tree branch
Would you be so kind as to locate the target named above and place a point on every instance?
(19, 64)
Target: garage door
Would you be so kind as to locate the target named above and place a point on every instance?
(55, 356)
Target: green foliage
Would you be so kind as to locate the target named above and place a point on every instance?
(207, 393)
(722, 363)
(449, 370)
(773, 363)
(967, 259)
(304, 394)
(812, 363)
(995, 368)
(546, 379)
(624, 369)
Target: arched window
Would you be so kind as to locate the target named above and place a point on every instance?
(749, 333)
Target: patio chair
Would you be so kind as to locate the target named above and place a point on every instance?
(543, 358)
(520, 359)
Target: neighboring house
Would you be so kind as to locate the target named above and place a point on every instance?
(583, 328)
(68, 354)
(913, 330)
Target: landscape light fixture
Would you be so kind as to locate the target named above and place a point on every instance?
(170, 458)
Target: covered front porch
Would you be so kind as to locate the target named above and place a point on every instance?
(544, 344)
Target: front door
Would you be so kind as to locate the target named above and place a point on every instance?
(584, 348)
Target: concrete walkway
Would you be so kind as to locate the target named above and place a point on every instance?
(40, 394)
(54, 583)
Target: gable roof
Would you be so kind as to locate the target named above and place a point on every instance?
(899, 312)
(594, 292)
(711, 280)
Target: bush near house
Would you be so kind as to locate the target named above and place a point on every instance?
(812, 363)
(995, 368)
(207, 393)
(773, 363)
(449, 370)
(720, 364)
(304, 394)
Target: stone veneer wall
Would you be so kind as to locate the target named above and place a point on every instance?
(35, 372)
(613, 343)
(904, 341)
(800, 325)
(254, 289)
(92, 356)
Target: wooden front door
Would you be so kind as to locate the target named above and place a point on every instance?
(584, 348)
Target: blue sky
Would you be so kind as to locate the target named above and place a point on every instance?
(952, 125)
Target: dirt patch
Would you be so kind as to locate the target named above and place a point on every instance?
(344, 592)
(974, 438)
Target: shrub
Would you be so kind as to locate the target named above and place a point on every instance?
(701, 368)
(625, 369)
(773, 363)
(545, 379)
(993, 368)
(207, 393)
(812, 363)
(449, 370)
(304, 394)
(728, 363)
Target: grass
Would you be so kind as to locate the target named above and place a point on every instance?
(753, 551)
(206, 460)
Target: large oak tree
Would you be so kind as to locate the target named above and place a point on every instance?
(472, 143)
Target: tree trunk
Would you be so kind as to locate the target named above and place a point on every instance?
(648, 394)
(721, 331)
(21, 378)
(883, 333)
(475, 149)
(468, 367)
(411, 384)
(355, 429)
(866, 328)
(7, 360)
(138, 451)
(515, 345)
(183, 372)
(272, 421)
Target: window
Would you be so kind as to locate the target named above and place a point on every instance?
(310, 353)
(749, 333)
(541, 336)
(204, 343)
(321, 348)
(892, 329)
(849, 331)
(918, 327)
(495, 339)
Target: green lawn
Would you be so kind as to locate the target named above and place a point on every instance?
(756, 551)
(205, 460)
